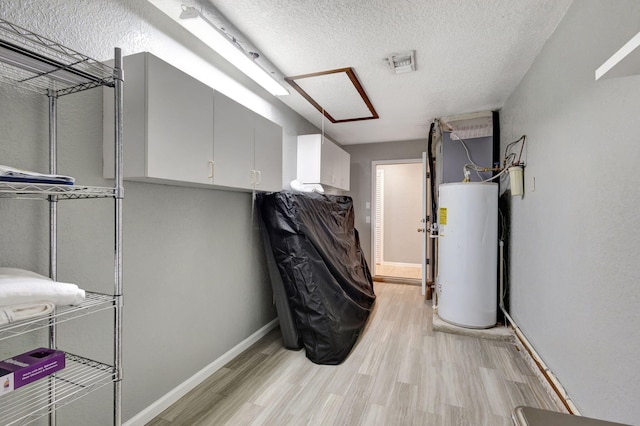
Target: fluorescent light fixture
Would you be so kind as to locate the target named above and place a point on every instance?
(223, 45)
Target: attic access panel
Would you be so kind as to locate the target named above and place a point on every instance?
(337, 94)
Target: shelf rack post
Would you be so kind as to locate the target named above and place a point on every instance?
(53, 225)
(119, 195)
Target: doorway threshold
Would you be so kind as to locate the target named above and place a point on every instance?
(397, 280)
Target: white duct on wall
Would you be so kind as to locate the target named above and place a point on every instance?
(469, 126)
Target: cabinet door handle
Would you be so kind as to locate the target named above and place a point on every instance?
(211, 163)
(259, 177)
(252, 176)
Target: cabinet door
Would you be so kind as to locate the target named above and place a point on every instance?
(179, 127)
(308, 158)
(232, 143)
(329, 163)
(345, 170)
(267, 154)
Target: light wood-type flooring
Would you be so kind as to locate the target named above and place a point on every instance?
(399, 373)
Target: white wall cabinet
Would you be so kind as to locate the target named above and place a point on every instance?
(233, 143)
(267, 154)
(247, 148)
(168, 126)
(181, 131)
(322, 161)
(345, 172)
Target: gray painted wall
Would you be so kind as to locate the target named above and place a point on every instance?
(361, 157)
(454, 157)
(402, 212)
(575, 282)
(194, 274)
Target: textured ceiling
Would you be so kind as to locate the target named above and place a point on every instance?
(470, 54)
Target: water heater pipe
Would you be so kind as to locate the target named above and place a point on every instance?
(546, 372)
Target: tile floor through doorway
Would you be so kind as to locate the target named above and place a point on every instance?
(404, 271)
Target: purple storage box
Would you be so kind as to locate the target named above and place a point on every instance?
(28, 367)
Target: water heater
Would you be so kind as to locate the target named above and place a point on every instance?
(468, 253)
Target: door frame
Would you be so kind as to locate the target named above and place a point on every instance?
(374, 164)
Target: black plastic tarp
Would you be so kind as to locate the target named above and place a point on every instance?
(325, 275)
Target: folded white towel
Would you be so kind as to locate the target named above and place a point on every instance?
(18, 286)
(10, 314)
(298, 186)
(12, 171)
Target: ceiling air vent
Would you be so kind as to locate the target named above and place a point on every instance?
(402, 62)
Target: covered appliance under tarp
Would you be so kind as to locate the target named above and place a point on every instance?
(326, 280)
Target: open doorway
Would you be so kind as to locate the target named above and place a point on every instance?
(396, 220)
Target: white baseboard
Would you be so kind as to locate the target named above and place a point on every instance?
(153, 410)
(385, 263)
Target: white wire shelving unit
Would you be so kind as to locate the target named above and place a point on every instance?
(35, 401)
(94, 302)
(32, 62)
(34, 191)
